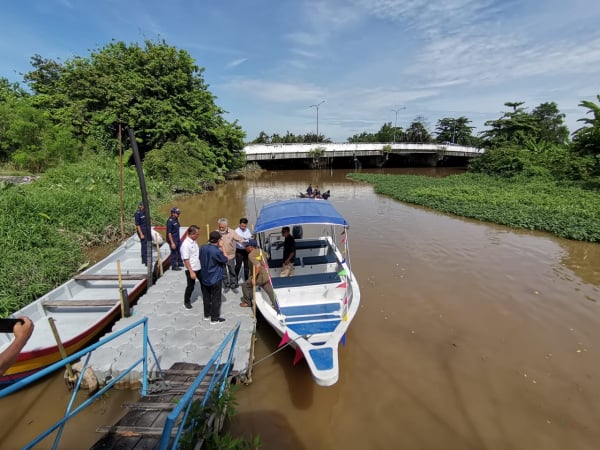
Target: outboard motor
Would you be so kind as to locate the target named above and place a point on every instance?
(297, 231)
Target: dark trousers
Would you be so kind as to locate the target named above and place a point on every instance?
(211, 297)
(176, 256)
(191, 284)
(229, 276)
(241, 257)
(144, 244)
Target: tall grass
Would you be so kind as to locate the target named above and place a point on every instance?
(45, 225)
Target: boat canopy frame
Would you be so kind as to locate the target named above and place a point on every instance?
(299, 211)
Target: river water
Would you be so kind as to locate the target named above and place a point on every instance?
(469, 335)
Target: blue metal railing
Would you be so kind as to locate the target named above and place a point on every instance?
(219, 375)
(218, 379)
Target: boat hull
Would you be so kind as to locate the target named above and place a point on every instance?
(82, 308)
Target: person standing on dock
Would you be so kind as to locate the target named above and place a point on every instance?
(213, 260)
(140, 227)
(229, 236)
(190, 253)
(174, 239)
(241, 255)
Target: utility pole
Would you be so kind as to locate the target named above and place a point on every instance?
(396, 120)
(317, 107)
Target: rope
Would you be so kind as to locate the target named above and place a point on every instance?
(305, 336)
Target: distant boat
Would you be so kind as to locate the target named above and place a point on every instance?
(316, 305)
(81, 308)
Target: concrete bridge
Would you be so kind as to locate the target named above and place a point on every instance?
(359, 154)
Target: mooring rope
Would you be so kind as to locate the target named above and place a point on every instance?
(304, 336)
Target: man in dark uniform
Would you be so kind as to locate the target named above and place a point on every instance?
(174, 239)
(140, 227)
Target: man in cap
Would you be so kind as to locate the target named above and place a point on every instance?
(174, 239)
(140, 226)
(260, 277)
(213, 260)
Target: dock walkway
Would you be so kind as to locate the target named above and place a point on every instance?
(177, 335)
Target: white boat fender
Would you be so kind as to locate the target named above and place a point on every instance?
(89, 381)
(157, 237)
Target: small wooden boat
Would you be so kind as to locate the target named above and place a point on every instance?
(315, 306)
(81, 308)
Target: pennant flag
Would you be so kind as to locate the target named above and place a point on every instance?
(342, 272)
(345, 300)
(344, 261)
(285, 339)
(343, 340)
(344, 241)
(345, 317)
(298, 356)
(344, 232)
(342, 285)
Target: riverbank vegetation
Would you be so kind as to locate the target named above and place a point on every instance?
(47, 224)
(529, 176)
(531, 203)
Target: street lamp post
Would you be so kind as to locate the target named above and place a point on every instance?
(317, 108)
(396, 120)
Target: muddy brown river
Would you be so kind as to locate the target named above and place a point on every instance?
(469, 336)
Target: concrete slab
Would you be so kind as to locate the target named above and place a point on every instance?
(177, 334)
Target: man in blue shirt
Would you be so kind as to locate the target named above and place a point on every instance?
(140, 227)
(213, 260)
(174, 239)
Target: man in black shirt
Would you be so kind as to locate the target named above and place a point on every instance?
(289, 253)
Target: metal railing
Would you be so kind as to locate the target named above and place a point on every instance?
(219, 375)
(218, 381)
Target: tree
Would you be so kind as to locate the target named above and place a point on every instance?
(586, 140)
(456, 131)
(157, 90)
(550, 124)
(417, 131)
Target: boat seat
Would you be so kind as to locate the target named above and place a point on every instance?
(323, 259)
(310, 279)
(278, 263)
(312, 243)
(99, 277)
(79, 303)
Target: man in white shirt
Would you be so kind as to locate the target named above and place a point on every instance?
(241, 255)
(190, 253)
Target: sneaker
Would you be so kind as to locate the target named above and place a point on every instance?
(187, 305)
(218, 321)
(207, 318)
(176, 268)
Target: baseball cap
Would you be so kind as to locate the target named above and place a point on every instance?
(251, 242)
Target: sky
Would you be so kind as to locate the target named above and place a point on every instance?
(363, 62)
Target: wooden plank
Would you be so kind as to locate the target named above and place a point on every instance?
(99, 277)
(156, 406)
(79, 303)
(150, 432)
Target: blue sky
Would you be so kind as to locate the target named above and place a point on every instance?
(268, 61)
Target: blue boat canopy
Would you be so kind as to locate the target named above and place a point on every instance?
(298, 211)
